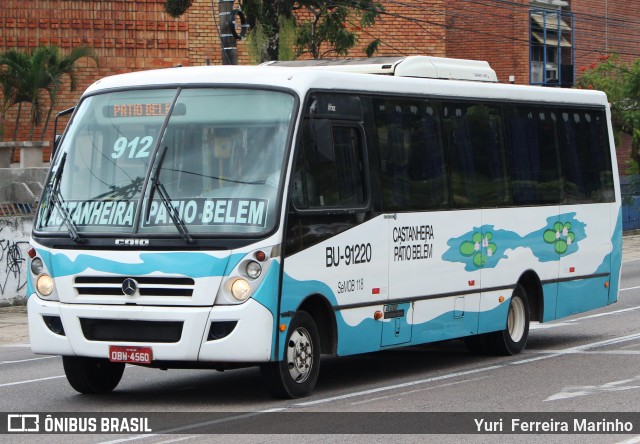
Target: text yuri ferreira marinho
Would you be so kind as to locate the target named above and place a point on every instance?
(550, 425)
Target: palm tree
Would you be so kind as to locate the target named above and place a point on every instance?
(15, 65)
(25, 76)
(59, 67)
(36, 78)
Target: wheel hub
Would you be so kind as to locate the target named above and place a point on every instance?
(299, 355)
(516, 319)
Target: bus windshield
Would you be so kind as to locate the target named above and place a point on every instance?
(213, 158)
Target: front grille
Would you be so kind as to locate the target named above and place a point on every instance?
(131, 331)
(147, 285)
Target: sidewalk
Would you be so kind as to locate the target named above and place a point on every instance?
(15, 332)
(13, 326)
(631, 247)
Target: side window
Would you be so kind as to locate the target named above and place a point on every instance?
(414, 175)
(586, 161)
(329, 169)
(476, 148)
(533, 155)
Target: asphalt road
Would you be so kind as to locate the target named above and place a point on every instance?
(585, 363)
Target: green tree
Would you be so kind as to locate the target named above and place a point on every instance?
(273, 29)
(175, 8)
(276, 34)
(14, 66)
(27, 76)
(621, 82)
(327, 31)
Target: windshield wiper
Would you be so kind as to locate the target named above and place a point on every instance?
(56, 201)
(166, 200)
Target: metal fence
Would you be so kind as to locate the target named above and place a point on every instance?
(630, 187)
(16, 209)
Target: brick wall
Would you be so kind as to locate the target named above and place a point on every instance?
(604, 28)
(132, 35)
(127, 35)
(406, 28)
(497, 32)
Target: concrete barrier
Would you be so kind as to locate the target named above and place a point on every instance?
(21, 185)
(30, 153)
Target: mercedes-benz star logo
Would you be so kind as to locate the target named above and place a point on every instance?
(129, 287)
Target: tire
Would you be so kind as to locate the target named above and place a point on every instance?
(296, 375)
(476, 345)
(92, 375)
(513, 338)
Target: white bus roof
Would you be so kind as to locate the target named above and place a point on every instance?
(303, 79)
(409, 66)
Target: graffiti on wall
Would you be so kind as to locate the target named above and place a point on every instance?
(13, 260)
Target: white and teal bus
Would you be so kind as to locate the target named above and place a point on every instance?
(224, 217)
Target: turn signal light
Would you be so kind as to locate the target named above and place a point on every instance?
(377, 315)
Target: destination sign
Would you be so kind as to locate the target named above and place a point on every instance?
(222, 211)
(143, 110)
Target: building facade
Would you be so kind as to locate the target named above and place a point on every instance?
(544, 42)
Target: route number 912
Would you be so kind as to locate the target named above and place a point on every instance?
(137, 148)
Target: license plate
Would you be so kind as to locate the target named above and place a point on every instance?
(133, 355)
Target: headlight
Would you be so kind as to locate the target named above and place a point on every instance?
(36, 266)
(240, 289)
(254, 270)
(44, 285)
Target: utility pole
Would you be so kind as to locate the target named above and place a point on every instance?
(227, 39)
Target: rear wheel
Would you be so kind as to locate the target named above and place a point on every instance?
(92, 375)
(513, 338)
(296, 375)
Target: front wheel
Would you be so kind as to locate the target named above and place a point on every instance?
(92, 375)
(513, 338)
(296, 375)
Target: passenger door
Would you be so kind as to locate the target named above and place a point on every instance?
(334, 245)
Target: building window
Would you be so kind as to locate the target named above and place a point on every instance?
(551, 48)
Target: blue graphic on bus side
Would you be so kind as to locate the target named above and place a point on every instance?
(560, 237)
(485, 247)
(366, 336)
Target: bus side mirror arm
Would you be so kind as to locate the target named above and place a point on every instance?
(56, 136)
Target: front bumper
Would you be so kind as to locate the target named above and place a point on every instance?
(250, 341)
